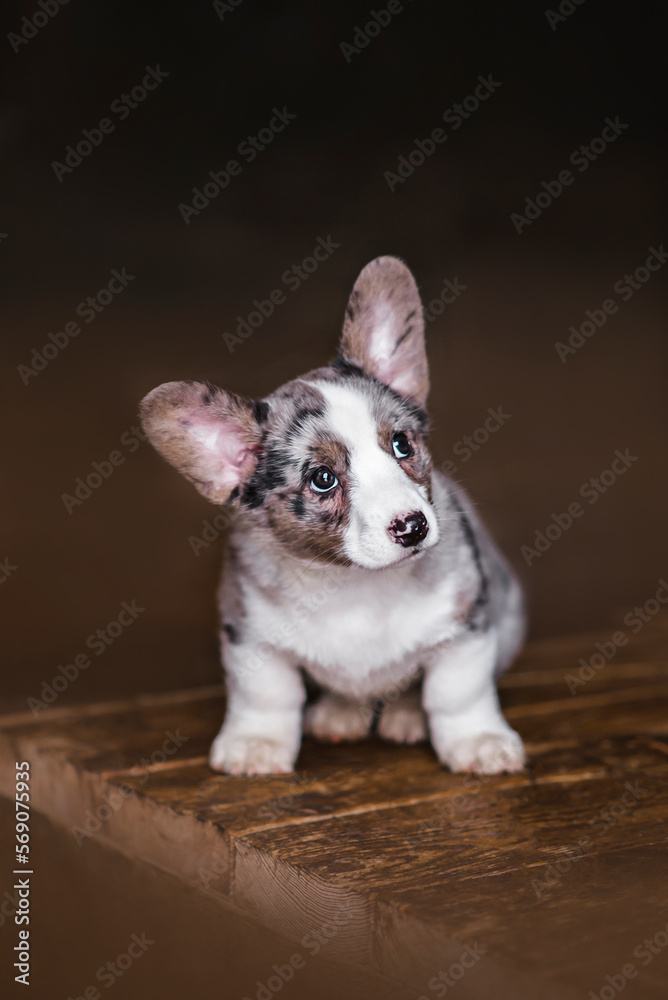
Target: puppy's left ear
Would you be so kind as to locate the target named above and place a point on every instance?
(383, 332)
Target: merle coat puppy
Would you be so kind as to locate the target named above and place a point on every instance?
(350, 560)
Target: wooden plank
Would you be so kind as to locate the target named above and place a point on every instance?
(204, 947)
(565, 945)
(464, 867)
(405, 863)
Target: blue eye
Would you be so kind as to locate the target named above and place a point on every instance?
(323, 480)
(401, 446)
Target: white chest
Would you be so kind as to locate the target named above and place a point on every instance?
(357, 633)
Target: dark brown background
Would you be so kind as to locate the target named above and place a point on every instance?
(323, 175)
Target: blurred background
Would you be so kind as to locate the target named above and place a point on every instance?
(356, 101)
(93, 519)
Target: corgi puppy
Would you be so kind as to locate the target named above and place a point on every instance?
(351, 561)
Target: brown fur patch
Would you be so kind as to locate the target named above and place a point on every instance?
(297, 442)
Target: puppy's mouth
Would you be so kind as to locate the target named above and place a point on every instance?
(410, 554)
(400, 558)
(404, 538)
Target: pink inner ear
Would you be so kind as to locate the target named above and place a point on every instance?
(395, 366)
(391, 372)
(403, 382)
(226, 456)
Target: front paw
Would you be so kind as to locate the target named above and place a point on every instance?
(403, 723)
(485, 753)
(238, 754)
(336, 719)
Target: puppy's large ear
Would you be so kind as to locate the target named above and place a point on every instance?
(383, 332)
(211, 436)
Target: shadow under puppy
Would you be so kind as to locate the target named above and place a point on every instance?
(349, 557)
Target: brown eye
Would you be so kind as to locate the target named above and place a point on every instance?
(401, 446)
(323, 480)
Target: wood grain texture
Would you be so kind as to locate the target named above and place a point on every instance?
(394, 866)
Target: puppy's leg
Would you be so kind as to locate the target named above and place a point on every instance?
(336, 718)
(404, 720)
(467, 729)
(262, 729)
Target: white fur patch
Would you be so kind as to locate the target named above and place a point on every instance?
(379, 489)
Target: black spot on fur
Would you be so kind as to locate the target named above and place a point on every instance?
(303, 414)
(268, 476)
(297, 506)
(260, 410)
(478, 616)
(344, 367)
(252, 496)
(403, 336)
(233, 495)
(378, 707)
(231, 633)
(418, 414)
(207, 397)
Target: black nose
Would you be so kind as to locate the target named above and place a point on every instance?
(409, 529)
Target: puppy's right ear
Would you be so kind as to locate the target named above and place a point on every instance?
(211, 436)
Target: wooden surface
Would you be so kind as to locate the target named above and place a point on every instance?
(553, 877)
